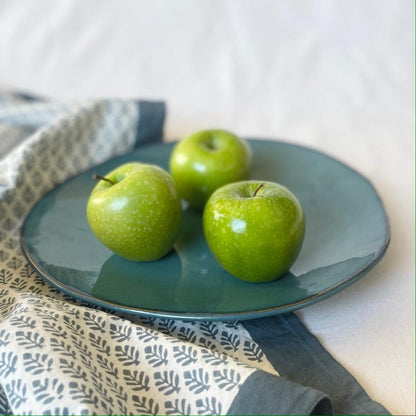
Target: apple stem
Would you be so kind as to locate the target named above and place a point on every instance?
(95, 176)
(258, 189)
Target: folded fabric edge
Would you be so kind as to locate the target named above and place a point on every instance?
(151, 121)
(299, 356)
(267, 394)
(27, 96)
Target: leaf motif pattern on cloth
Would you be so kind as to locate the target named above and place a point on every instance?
(108, 374)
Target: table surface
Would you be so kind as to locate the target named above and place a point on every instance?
(335, 76)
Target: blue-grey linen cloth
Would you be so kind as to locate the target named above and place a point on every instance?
(61, 356)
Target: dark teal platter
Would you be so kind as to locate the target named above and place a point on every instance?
(347, 233)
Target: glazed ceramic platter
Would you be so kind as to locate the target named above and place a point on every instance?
(347, 233)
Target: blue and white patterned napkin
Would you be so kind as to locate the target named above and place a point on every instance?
(59, 356)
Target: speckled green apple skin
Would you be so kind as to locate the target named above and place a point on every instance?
(255, 238)
(139, 216)
(206, 160)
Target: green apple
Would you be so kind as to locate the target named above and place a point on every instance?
(254, 229)
(206, 160)
(135, 211)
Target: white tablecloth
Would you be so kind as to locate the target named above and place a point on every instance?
(334, 75)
